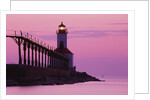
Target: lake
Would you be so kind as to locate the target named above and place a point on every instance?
(112, 86)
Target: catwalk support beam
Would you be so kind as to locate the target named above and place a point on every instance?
(19, 47)
(42, 56)
(39, 56)
(35, 55)
(32, 54)
(25, 52)
(28, 53)
(45, 57)
(52, 59)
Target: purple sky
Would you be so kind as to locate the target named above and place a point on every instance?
(99, 41)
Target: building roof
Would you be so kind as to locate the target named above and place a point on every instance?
(63, 50)
(61, 25)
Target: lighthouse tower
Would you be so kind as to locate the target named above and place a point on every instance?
(62, 44)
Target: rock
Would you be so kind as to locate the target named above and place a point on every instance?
(11, 83)
(75, 77)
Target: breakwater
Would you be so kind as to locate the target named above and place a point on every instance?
(25, 75)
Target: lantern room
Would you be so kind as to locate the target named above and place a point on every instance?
(62, 29)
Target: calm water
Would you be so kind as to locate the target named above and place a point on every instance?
(112, 86)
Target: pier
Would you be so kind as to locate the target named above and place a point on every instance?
(37, 54)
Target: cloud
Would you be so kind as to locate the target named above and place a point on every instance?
(85, 34)
(47, 37)
(97, 33)
(119, 23)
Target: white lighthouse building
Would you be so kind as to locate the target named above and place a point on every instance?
(62, 44)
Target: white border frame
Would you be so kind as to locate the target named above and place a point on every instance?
(131, 61)
(141, 27)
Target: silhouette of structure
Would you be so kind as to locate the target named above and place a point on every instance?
(62, 44)
(52, 58)
(41, 64)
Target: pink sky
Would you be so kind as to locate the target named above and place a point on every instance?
(99, 41)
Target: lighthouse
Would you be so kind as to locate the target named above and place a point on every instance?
(62, 44)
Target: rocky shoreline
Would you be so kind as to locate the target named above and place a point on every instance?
(74, 77)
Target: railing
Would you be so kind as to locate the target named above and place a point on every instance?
(41, 55)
